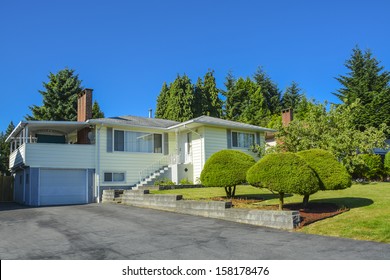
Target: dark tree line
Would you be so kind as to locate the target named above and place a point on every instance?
(255, 100)
(258, 100)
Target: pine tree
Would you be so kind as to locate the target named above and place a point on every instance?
(368, 82)
(181, 99)
(255, 110)
(199, 98)
(59, 97)
(292, 96)
(237, 97)
(5, 149)
(270, 91)
(212, 104)
(162, 102)
(97, 113)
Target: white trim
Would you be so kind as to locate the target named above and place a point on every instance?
(87, 184)
(24, 186)
(39, 187)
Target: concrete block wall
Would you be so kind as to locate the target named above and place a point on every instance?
(212, 209)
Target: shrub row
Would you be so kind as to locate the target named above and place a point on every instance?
(301, 173)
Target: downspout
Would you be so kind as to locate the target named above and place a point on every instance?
(97, 161)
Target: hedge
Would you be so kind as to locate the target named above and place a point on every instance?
(227, 169)
(284, 173)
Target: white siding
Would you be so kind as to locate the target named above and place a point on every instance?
(215, 140)
(129, 163)
(172, 146)
(60, 155)
(18, 156)
(198, 155)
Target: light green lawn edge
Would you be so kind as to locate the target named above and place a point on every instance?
(367, 219)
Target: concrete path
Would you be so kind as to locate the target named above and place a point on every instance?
(106, 231)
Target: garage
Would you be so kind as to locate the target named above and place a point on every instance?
(62, 186)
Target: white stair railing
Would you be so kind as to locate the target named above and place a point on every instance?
(157, 165)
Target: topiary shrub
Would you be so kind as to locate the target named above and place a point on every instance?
(387, 163)
(283, 173)
(332, 174)
(227, 169)
(369, 167)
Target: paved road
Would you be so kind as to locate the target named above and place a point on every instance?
(106, 231)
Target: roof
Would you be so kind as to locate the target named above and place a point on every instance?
(135, 121)
(207, 120)
(60, 126)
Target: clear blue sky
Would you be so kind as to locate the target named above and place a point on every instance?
(125, 50)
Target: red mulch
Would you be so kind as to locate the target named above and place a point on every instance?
(312, 213)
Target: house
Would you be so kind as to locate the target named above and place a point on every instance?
(72, 162)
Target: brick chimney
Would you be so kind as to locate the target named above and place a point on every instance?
(84, 105)
(84, 113)
(287, 116)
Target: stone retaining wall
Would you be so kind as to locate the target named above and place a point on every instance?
(212, 209)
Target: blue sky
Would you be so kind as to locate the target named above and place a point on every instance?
(125, 50)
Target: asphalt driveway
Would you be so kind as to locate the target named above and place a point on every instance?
(106, 231)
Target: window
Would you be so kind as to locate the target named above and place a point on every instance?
(137, 142)
(114, 176)
(242, 139)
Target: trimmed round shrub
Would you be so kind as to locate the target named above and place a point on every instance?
(283, 173)
(369, 167)
(387, 163)
(332, 174)
(227, 169)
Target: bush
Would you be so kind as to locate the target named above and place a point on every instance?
(368, 167)
(227, 169)
(164, 182)
(284, 173)
(387, 163)
(332, 174)
(185, 181)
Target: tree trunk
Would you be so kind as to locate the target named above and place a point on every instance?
(228, 192)
(281, 201)
(305, 201)
(234, 191)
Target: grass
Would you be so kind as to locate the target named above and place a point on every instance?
(367, 219)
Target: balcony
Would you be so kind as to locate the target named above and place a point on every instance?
(53, 155)
(52, 144)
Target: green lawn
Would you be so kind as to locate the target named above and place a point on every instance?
(368, 218)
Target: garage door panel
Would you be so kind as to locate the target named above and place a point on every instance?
(62, 186)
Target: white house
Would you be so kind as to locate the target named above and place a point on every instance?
(63, 162)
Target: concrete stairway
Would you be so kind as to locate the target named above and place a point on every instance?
(149, 180)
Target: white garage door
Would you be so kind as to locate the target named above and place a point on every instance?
(63, 186)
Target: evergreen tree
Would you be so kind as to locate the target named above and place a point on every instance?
(230, 82)
(199, 98)
(237, 97)
(292, 96)
(212, 104)
(5, 149)
(255, 110)
(181, 99)
(59, 97)
(97, 113)
(369, 83)
(162, 102)
(270, 91)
